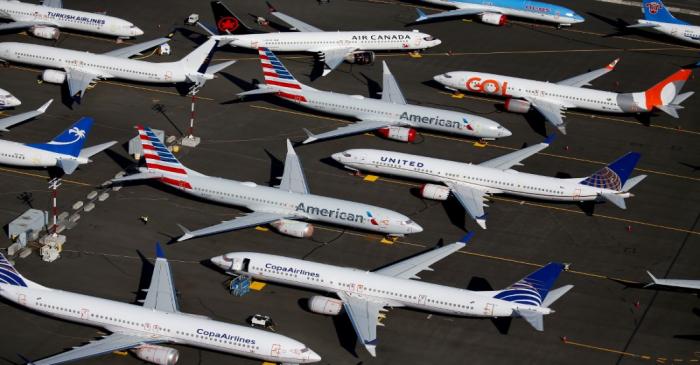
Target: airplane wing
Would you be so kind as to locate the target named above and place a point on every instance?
(19, 118)
(514, 158)
(52, 3)
(293, 177)
(105, 345)
(248, 220)
(364, 316)
(22, 25)
(295, 23)
(390, 88)
(409, 268)
(358, 127)
(78, 81)
(552, 111)
(644, 25)
(585, 79)
(135, 49)
(161, 293)
(674, 283)
(332, 57)
(472, 200)
(446, 14)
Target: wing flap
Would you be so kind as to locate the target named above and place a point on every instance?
(105, 345)
(333, 57)
(161, 293)
(78, 81)
(293, 178)
(249, 220)
(585, 79)
(364, 316)
(551, 111)
(472, 200)
(358, 127)
(135, 49)
(407, 269)
(391, 92)
(505, 162)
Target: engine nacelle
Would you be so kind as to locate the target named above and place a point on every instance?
(398, 133)
(157, 354)
(517, 105)
(325, 305)
(294, 228)
(360, 57)
(53, 76)
(435, 192)
(45, 32)
(493, 18)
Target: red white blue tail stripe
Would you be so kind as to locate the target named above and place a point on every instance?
(278, 76)
(160, 159)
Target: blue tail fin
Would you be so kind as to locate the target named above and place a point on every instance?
(614, 175)
(655, 10)
(532, 289)
(71, 141)
(8, 274)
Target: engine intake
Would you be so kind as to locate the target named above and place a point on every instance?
(398, 134)
(157, 354)
(53, 76)
(517, 105)
(325, 305)
(293, 228)
(435, 192)
(493, 19)
(45, 32)
(360, 57)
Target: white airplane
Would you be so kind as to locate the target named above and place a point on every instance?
(691, 285)
(365, 294)
(80, 69)
(552, 99)
(332, 48)
(496, 12)
(657, 16)
(64, 151)
(284, 207)
(8, 100)
(391, 116)
(142, 329)
(13, 120)
(44, 20)
(470, 184)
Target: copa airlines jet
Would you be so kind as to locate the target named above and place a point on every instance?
(8, 100)
(332, 48)
(284, 207)
(552, 99)
(657, 16)
(65, 151)
(44, 20)
(495, 12)
(80, 69)
(391, 116)
(143, 328)
(471, 183)
(364, 294)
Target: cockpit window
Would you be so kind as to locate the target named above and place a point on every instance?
(305, 349)
(569, 14)
(447, 76)
(408, 222)
(345, 154)
(429, 38)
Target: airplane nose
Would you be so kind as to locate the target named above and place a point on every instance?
(337, 156)
(218, 261)
(314, 357)
(13, 101)
(415, 228)
(437, 42)
(505, 133)
(137, 31)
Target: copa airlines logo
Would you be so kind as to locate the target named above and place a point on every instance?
(8, 274)
(330, 213)
(653, 7)
(225, 336)
(522, 292)
(436, 120)
(399, 161)
(382, 37)
(75, 131)
(73, 18)
(291, 270)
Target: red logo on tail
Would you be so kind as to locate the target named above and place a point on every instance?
(227, 23)
(653, 7)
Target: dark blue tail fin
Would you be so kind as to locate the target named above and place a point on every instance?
(532, 289)
(614, 175)
(71, 141)
(655, 10)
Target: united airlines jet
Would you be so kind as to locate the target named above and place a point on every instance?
(142, 329)
(657, 16)
(365, 294)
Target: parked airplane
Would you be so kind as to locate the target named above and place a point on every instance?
(13, 120)
(496, 12)
(8, 100)
(657, 16)
(364, 294)
(683, 284)
(552, 99)
(44, 20)
(80, 69)
(470, 184)
(284, 207)
(332, 48)
(65, 150)
(143, 328)
(391, 116)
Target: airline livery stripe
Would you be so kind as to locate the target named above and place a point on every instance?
(283, 84)
(175, 182)
(289, 96)
(165, 168)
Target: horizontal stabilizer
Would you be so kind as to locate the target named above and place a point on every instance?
(632, 182)
(555, 294)
(139, 176)
(260, 91)
(68, 165)
(680, 98)
(615, 199)
(533, 318)
(212, 69)
(671, 110)
(310, 137)
(207, 29)
(91, 151)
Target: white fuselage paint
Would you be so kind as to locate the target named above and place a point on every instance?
(18, 154)
(684, 32)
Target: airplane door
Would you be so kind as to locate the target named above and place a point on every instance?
(577, 194)
(22, 299)
(488, 310)
(422, 299)
(275, 350)
(84, 313)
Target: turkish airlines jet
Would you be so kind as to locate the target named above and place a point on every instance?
(657, 16)
(364, 295)
(142, 329)
(470, 184)
(284, 207)
(332, 47)
(8, 100)
(81, 69)
(391, 116)
(552, 99)
(44, 20)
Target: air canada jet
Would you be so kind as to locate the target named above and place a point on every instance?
(364, 295)
(285, 207)
(658, 17)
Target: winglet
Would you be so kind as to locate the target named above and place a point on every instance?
(187, 233)
(371, 347)
(270, 8)
(159, 251)
(43, 108)
(290, 148)
(653, 278)
(467, 237)
(385, 68)
(611, 65)
(421, 15)
(550, 138)
(310, 137)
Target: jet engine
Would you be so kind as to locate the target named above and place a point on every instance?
(293, 228)
(360, 57)
(157, 354)
(493, 18)
(398, 134)
(325, 305)
(517, 105)
(53, 76)
(45, 32)
(435, 192)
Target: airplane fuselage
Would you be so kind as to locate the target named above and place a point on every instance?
(18, 154)
(684, 32)
(533, 10)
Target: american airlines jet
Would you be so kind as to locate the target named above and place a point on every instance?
(44, 20)
(552, 99)
(365, 294)
(471, 184)
(80, 69)
(332, 48)
(142, 329)
(284, 207)
(657, 16)
(391, 116)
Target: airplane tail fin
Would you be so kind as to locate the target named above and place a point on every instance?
(655, 10)
(10, 276)
(666, 96)
(198, 60)
(70, 141)
(226, 21)
(278, 77)
(159, 160)
(534, 288)
(614, 176)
